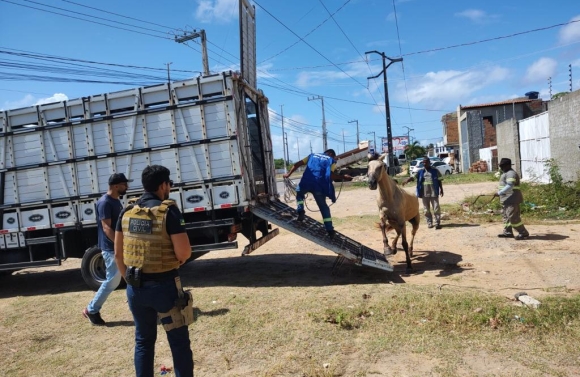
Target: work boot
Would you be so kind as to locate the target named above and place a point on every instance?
(331, 233)
(301, 216)
(506, 235)
(429, 225)
(94, 318)
(522, 236)
(438, 226)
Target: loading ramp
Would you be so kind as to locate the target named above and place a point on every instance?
(282, 215)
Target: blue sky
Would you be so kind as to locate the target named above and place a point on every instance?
(329, 62)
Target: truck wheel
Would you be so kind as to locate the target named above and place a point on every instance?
(93, 269)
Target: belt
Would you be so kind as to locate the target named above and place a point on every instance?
(161, 276)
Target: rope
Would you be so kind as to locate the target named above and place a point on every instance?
(290, 191)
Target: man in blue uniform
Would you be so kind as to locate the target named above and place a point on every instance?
(317, 179)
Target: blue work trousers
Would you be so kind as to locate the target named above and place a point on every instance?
(145, 302)
(320, 199)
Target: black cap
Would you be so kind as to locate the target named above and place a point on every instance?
(505, 161)
(117, 178)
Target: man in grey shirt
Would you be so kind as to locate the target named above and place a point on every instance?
(429, 187)
(510, 197)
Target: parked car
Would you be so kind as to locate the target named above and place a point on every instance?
(418, 160)
(443, 168)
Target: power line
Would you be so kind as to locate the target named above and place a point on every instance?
(492, 39)
(82, 19)
(402, 62)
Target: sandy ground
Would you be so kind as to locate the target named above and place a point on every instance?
(471, 253)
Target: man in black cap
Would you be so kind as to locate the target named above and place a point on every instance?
(510, 197)
(108, 210)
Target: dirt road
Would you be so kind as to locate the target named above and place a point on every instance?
(462, 253)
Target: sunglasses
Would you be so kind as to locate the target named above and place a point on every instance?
(170, 182)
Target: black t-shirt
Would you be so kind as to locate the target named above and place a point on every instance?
(174, 223)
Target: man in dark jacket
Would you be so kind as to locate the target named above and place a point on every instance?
(510, 197)
(317, 179)
(429, 187)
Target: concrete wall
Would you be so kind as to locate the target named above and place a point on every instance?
(564, 116)
(508, 145)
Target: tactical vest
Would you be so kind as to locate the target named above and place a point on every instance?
(146, 244)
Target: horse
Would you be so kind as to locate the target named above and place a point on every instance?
(396, 206)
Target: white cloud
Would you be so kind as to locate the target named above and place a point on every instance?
(439, 89)
(222, 11)
(540, 70)
(478, 16)
(570, 33)
(30, 100)
(358, 70)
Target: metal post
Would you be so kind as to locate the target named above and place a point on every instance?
(285, 136)
(194, 34)
(168, 76)
(283, 145)
(357, 137)
(324, 134)
(387, 108)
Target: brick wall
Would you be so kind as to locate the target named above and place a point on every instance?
(451, 129)
(564, 117)
(489, 134)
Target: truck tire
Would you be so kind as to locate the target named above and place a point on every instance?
(93, 269)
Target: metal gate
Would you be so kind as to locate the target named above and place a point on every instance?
(535, 147)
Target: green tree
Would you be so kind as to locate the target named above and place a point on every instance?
(279, 163)
(414, 150)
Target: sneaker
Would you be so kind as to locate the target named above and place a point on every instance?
(331, 233)
(522, 236)
(506, 235)
(301, 216)
(94, 318)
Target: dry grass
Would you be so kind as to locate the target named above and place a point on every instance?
(335, 330)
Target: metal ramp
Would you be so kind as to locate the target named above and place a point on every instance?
(284, 216)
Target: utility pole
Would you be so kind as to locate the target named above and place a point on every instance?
(343, 144)
(283, 133)
(285, 136)
(387, 108)
(324, 134)
(192, 35)
(570, 70)
(357, 137)
(168, 76)
(298, 147)
(408, 137)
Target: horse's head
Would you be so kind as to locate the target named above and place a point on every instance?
(377, 167)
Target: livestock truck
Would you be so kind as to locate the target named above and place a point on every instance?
(213, 134)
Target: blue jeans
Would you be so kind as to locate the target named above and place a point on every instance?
(145, 302)
(320, 202)
(112, 280)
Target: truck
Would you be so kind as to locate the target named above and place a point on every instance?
(212, 132)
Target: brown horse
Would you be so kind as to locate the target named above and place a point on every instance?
(396, 206)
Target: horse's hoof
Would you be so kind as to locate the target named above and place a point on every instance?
(390, 251)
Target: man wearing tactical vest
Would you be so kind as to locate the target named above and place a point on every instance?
(150, 244)
(108, 209)
(317, 179)
(429, 187)
(510, 197)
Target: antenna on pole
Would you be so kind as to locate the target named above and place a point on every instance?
(192, 35)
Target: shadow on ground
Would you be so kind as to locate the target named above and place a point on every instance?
(548, 237)
(458, 225)
(273, 270)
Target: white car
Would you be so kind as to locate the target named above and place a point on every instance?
(443, 168)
